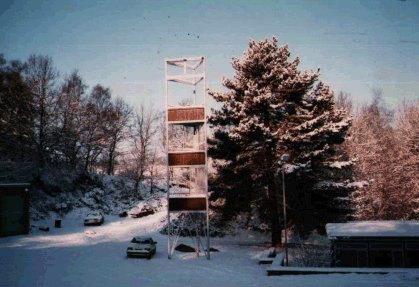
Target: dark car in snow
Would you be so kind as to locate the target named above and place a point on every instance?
(146, 210)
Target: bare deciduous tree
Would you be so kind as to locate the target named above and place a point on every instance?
(97, 107)
(344, 102)
(407, 136)
(386, 157)
(16, 113)
(41, 76)
(69, 113)
(144, 130)
(117, 130)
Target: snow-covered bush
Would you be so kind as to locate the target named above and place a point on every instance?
(60, 191)
(313, 252)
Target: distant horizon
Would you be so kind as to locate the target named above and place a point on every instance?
(359, 46)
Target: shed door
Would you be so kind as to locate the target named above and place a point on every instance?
(412, 254)
(386, 254)
(12, 215)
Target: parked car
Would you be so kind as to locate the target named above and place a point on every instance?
(141, 247)
(94, 218)
(146, 210)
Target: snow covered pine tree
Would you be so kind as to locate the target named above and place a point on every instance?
(272, 108)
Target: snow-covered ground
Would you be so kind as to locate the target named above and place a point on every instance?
(95, 256)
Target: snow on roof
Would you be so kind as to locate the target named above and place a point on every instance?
(140, 238)
(15, 184)
(391, 228)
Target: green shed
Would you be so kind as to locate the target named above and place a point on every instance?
(14, 209)
(385, 243)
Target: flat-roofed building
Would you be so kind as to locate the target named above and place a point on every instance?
(374, 243)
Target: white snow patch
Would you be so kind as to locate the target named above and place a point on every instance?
(385, 228)
(358, 184)
(290, 168)
(340, 164)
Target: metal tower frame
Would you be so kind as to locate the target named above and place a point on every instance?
(188, 209)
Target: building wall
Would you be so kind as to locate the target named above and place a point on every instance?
(14, 209)
(376, 252)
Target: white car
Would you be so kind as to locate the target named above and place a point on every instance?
(142, 247)
(94, 218)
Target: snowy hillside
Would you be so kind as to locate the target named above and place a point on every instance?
(59, 194)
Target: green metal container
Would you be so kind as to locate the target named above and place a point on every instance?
(14, 209)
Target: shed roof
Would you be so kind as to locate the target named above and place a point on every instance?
(13, 187)
(391, 228)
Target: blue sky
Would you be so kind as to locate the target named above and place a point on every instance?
(358, 45)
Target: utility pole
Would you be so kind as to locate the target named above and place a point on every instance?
(284, 158)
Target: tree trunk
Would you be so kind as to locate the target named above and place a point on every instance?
(151, 182)
(273, 197)
(137, 192)
(87, 160)
(111, 158)
(274, 207)
(41, 132)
